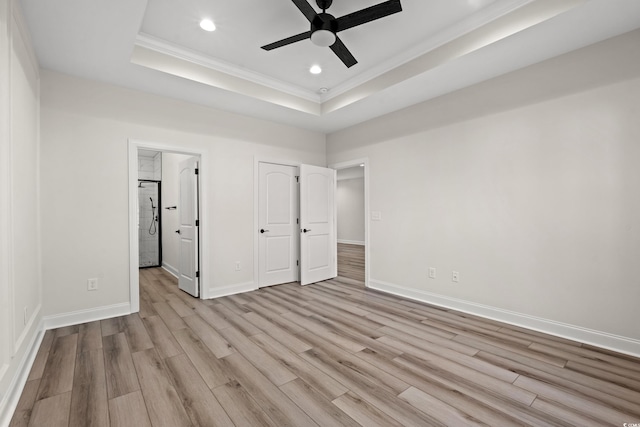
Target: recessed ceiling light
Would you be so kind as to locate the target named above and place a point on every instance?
(207, 25)
(315, 69)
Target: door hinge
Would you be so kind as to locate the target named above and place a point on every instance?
(297, 178)
(197, 274)
(197, 223)
(297, 262)
(196, 170)
(297, 220)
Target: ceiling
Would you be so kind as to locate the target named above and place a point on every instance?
(429, 49)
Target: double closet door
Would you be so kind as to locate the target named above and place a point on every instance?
(297, 226)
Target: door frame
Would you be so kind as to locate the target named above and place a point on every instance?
(367, 253)
(256, 214)
(204, 170)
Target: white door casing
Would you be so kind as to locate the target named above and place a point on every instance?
(278, 224)
(188, 231)
(318, 239)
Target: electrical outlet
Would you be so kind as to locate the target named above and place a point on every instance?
(237, 265)
(455, 276)
(432, 273)
(92, 284)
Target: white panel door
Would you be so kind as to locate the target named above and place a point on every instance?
(318, 245)
(188, 231)
(278, 224)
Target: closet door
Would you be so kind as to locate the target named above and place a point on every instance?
(278, 222)
(318, 239)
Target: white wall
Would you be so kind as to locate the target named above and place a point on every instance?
(531, 194)
(170, 218)
(82, 121)
(20, 283)
(350, 210)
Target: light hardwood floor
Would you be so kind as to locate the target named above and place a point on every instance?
(329, 354)
(351, 261)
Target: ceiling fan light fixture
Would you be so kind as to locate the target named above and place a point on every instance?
(207, 25)
(323, 38)
(315, 69)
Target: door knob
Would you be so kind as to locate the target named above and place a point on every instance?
(262, 230)
(178, 231)
(305, 230)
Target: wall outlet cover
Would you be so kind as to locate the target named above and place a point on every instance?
(455, 276)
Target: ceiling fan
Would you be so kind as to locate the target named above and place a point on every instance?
(324, 26)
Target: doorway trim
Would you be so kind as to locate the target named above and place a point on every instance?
(205, 168)
(348, 164)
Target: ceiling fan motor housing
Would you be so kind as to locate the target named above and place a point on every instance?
(324, 4)
(323, 21)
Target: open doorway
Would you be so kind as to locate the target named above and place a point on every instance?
(149, 214)
(351, 215)
(170, 234)
(350, 219)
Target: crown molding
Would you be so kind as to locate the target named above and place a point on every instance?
(508, 24)
(480, 18)
(150, 42)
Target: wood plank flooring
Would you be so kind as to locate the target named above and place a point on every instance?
(329, 354)
(351, 261)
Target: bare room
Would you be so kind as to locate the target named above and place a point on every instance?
(319, 213)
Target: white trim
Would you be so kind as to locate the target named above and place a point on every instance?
(134, 250)
(9, 403)
(170, 269)
(204, 170)
(85, 316)
(351, 242)
(28, 329)
(6, 199)
(238, 288)
(472, 22)
(25, 36)
(163, 46)
(601, 339)
(367, 238)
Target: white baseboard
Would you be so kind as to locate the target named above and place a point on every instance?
(601, 339)
(231, 289)
(351, 242)
(28, 331)
(170, 269)
(84, 316)
(10, 400)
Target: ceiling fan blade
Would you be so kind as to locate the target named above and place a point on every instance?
(343, 53)
(367, 15)
(306, 9)
(288, 40)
